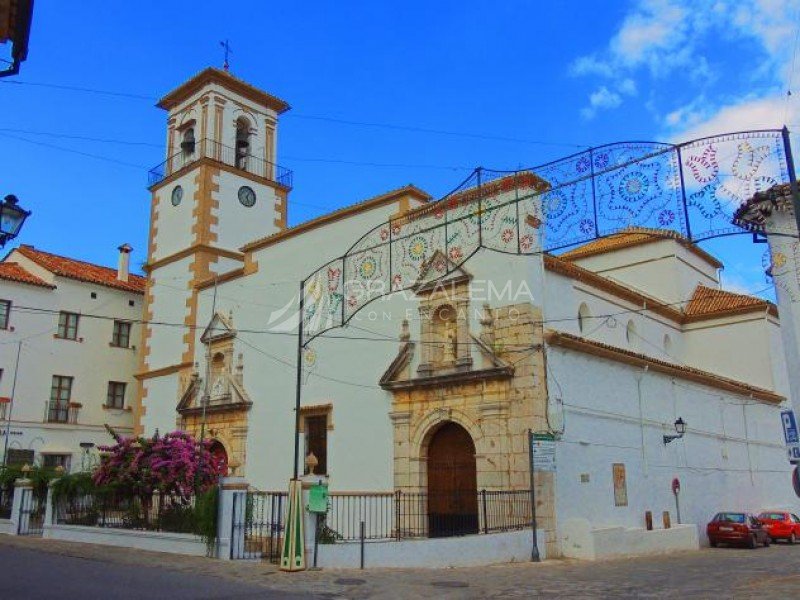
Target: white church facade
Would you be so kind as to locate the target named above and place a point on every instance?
(434, 389)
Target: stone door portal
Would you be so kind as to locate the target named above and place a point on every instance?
(452, 483)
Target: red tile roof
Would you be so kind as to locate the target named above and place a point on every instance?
(82, 271)
(707, 301)
(12, 271)
(636, 236)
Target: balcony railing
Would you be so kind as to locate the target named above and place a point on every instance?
(61, 412)
(224, 154)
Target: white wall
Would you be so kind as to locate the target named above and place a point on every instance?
(92, 362)
(731, 458)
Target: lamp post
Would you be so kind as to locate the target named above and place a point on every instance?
(680, 428)
(12, 217)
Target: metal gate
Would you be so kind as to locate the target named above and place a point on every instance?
(257, 529)
(31, 513)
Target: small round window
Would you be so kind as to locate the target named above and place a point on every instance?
(247, 196)
(177, 195)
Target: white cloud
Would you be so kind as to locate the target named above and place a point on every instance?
(669, 37)
(603, 98)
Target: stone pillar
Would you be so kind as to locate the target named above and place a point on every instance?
(425, 368)
(310, 519)
(23, 498)
(774, 212)
(49, 509)
(401, 420)
(231, 506)
(463, 346)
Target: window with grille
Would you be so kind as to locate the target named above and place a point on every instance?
(19, 457)
(116, 394)
(60, 394)
(5, 312)
(67, 325)
(316, 429)
(51, 461)
(121, 337)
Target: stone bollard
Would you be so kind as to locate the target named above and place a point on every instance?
(231, 518)
(23, 499)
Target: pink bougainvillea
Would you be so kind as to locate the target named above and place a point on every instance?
(175, 464)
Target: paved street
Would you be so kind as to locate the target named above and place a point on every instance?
(33, 568)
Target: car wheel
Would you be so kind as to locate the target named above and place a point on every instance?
(792, 538)
(712, 543)
(767, 541)
(751, 543)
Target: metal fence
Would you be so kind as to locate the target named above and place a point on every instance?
(155, 512)
(402, 515)
(257, 530)
(31, 512)
(6, 502)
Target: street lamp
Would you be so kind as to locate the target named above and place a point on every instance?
(12, 217)
(680, 428)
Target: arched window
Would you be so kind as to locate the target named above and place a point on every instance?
(187, 143)
(630, 334)
(242, 142)
(584, 317)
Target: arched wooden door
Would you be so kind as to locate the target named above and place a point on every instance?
(218, 451)
(452, 483)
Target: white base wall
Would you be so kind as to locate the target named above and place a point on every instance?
(580, 540)
(466, 551)
(155, 541)
(7, 527)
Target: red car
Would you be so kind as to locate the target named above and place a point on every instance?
(781, 525)
(736, 528)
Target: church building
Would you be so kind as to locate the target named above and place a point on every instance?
(433, 385)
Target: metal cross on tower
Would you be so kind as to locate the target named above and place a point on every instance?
(228, 52)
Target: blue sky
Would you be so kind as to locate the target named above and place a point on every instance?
(546, 77)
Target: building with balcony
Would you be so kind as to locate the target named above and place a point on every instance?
(68, 334)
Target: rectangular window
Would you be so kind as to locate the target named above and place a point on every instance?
(122, 334)
(316, 430)
(19, 457)
(51, 461)
(60, 394)
(67, 325)
(116, 394)
(5, 313)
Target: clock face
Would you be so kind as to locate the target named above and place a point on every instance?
(177, 195)
(247, 196)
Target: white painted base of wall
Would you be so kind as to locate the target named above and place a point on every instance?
(7, 527)
(580, 540)
(466, 551)
(155, 541)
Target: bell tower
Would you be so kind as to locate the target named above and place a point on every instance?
(218, 188)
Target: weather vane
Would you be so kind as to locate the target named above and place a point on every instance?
(228, 51)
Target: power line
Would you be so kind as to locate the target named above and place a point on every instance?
(323, 118)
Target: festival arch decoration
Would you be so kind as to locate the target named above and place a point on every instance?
(692, 188)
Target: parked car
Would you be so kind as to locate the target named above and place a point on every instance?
(736, 528)
(781, 525)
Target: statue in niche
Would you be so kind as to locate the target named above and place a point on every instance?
(450, 342)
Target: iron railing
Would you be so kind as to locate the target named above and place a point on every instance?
(232, 157)
(62, 412)
(258, 521)
(402, 515)
(155, 512)
(30, 520)
(6, 501)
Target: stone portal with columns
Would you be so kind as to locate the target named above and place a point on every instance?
(227, 402)
(491, 383)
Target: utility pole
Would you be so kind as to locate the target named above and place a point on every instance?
(11, 405)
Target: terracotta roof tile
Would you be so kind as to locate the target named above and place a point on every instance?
(706, 301)
(82, 271)
(636, 236)
(12, 271)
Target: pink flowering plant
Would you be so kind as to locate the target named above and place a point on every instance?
(174, 464)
